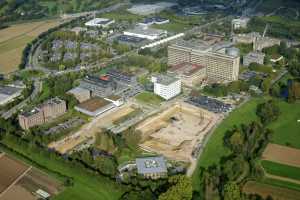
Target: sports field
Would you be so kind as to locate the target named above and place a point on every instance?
(14, 39)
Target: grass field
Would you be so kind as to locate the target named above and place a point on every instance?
(215, 149)
(281, 170)
(280, 183)
(14, 39)
(149, 98)
(86, 185)
(286, 128)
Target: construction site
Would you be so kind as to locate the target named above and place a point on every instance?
(177, 130)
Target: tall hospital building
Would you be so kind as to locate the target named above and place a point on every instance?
(221, 61)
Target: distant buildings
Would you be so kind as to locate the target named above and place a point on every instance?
(146, 33)
(9, 93)
(99, 22)
(166, 86)
(240, 23)
(259, 42)
(154, 20)
(43, 113)
(152, 167)
(221, 62)
(254, 57)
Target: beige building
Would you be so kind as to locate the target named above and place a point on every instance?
(220, 67)
(44, 113)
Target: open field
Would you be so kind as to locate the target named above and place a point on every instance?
(286, 128)
(278, 193)
(10, 171)
(88, 131)
(14, 39)
(281, 170)
(175, 131)
(283, 155)
(20, 181)
(149, 98)
(91, 185)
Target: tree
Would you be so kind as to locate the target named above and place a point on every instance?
(232, 191)
(180, 189)
(268, 112)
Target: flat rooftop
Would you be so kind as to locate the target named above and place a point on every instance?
(146, 31)
(151, 165)
(197, 45)
(94, 104)
(165, 79)
(186, 69)
(100, 21)
(8, 90)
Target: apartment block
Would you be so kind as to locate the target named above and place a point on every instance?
(43, 113)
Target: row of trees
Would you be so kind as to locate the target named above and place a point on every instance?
(245, 144)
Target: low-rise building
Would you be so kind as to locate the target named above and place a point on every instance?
(100, 22)
(152, 167)
(254, 57)
(190, 74)
(80, 94)
(154, 20)
(9, 93)
(146, 33)
(95, 106)
(43, 113)
(240, 23)
(166, 86)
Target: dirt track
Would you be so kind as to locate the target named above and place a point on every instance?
(10, 171)
(282, 154)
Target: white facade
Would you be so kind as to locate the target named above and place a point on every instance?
(100, 22)
(146, 33)
(166, 89)
(240, 23)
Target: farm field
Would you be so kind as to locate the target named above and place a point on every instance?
(95, 187)
(282, 154)
(21, 181)
(264, 190)
(281, 170)
(14, 39)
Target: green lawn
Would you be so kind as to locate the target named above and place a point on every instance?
(215, 149)
(279, 183)
(149, 98)
(173, 27)
(281, 170)
(286, 128)
(86, 184)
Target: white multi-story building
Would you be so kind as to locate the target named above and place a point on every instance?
(166, 86)
(240, 23)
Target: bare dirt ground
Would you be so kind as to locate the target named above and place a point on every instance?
(10, 171)
(89, 130)
(19, 181)
(282, 154)
(264, 190)
(175, 131)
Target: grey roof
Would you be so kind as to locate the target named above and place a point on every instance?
(165, 79)
(7, 90)
(151, 165)
(146, 31)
